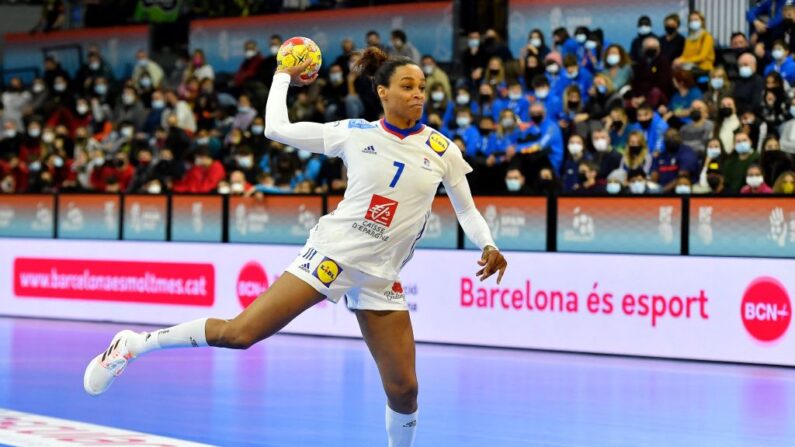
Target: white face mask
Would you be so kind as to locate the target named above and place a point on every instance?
(224, 189)
(637, 187)
(754, 181)
(600, 145)
(515, 96)
(38, 88)
(237, 188)
(580, 38)
(100, 89)
(437, 96)
(146, 82)
(158, 104)
(250, 53)
(746, 71)
(613, 59)
(695, 25)
(60, 87)
(34, 132)
(48, 137)
(245, 162)
(713, 152)
(127, 132)
(82, 108)
(613, 188)
(572, 74)
(304, 155)
(473, 43)
(590, 45)
(536, 42)
(644, 30)
(575, 148)
(462, 99)
(154, 188)
(94, 66)
(274, 49)
(553, 69)
(508, 122)
(716, 83)
(463, 121)
(778, 54)
(257, 129)
(427, 69)
(742, 147)
(542, 93)
(128, 99)
(10, 133)
(513, 184)
(335, 77)
(682, 189)
(57, 161)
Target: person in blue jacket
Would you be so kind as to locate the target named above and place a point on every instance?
(573, 74)
(653, 127)
(769, 8)
(467, 130)
(782, 62)
(563, 43)
(542, 134)
(544, 93)
(515, 102)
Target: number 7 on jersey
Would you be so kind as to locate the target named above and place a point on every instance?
(399, 167)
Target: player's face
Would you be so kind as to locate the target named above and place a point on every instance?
(405, 96)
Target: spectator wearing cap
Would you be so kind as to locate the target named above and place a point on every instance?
(700, 128)
(563, 44)
(735, 165)
(749, 88)
(782, 63)
(644, 31)
(652, 74)
(672, 44)
(699, 52)
(673, 161)
(755, 182)
(204, 176)
(616, 181)
(401, 47)
(147, 67)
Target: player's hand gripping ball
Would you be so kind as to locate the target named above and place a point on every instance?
(297, 50)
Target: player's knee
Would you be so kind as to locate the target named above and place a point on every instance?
(403, 394)
(235, 337)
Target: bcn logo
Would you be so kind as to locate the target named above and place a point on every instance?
(766, 309)
(251, 283)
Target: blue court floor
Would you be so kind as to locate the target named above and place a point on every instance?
(304, 391)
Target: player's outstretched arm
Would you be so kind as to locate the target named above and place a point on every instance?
(304, 135)
(477, 230)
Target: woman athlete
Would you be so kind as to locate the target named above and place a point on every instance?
(394, 169)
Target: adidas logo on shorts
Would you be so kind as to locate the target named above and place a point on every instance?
(304, 267)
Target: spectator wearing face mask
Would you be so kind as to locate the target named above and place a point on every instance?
(435, 75)
(11, 140)
(504, 136)
(238, 184)
(541, 142)
(736, 164)
(749, 88)
(563, 43)
(617, 124)
(515, 102)
(595, 51)
(204, 176)
(495, 76)
(616, 181)
(472, 58)
(785, 184)
(699, 51)
(574, 119)
(787, 131)
(755, 182)
(466, 130)
(243, 161)
(576, 155)
(147, 67)
(676, 160)
(437, 102)
(130, 109)
(552, 69)
(486, 101)
(672, 44)
(653, 127)
(542, 93)
(775, 110)
(185, 119)
(117, 168)
(581, 37)
(774, 161)
(602, 97)
(95, 67)
(536, 46)
(719, 87)
(251, 70)
(144, 170)
(401, 46)
(781, 63)
(685, 92)
(245, 113)
(604, 154)
(728, 123)
(639, 184)
(573, 75)
(515, 184)
(168, 170)
(637, 155)
(587, 181)
(334, 93)
(683, 185)
(652, 74)
(617, 66)
(700, 128)
(15, 174)
(52, 71)
(644, 31)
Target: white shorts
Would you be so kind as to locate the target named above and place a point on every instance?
(330, 278)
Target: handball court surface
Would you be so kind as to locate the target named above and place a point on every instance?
(309, 391)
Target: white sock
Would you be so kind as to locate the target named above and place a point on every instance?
(180, 336)
(400, 428)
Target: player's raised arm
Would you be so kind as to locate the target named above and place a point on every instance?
(304, 135)
(476, 229)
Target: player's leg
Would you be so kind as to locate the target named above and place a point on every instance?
(391, 341)
(287, 298)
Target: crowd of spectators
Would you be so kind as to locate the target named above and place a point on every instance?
(571, 113)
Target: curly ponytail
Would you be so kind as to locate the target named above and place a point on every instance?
(379, 66)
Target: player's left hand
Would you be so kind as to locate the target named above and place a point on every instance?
(492, 262)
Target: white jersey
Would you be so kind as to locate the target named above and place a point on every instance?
(393, 176)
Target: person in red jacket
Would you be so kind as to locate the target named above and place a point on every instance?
(205, 174)
(117, 167)
(12, 166)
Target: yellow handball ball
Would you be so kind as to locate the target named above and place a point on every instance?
(295, 50)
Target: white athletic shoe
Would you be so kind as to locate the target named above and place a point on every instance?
(108, 365)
